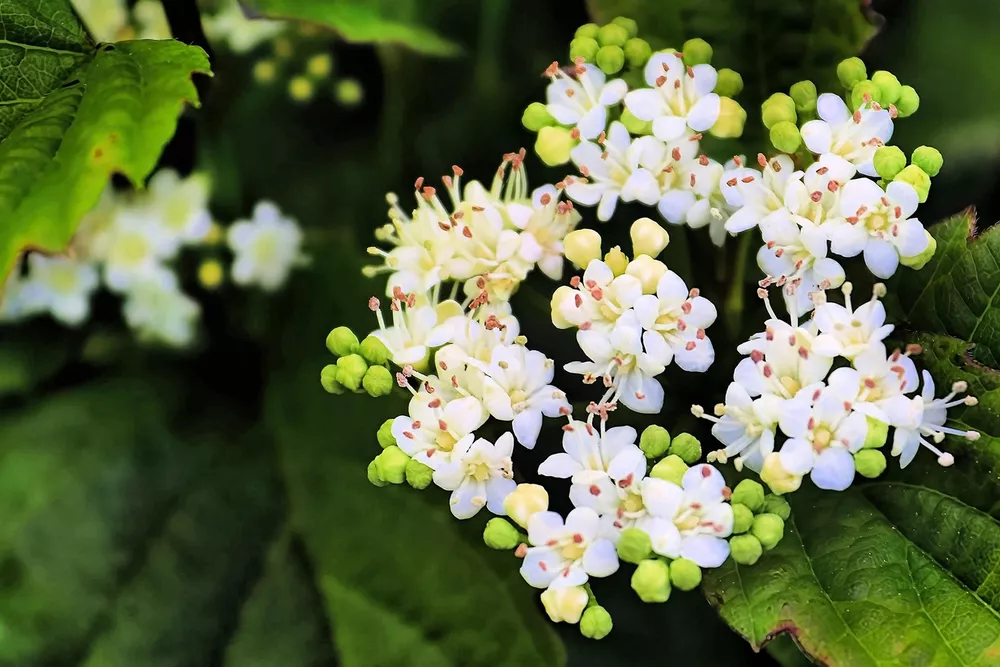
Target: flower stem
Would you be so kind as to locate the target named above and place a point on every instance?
(732, 310)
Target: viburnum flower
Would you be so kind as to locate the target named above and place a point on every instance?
(700, 179)
(478, 473)
(60, 286)
(266, 247)
(875, 379)
(135, 251)
(921, 417)
(471, 347)
(848, 332)
(877, 223)
(417, 327)
(745, 425)
(678, 97)
(241, 33)
(179, 206)
(544, 224)
(680, 317)
(853, 136)
(756, 195)
(612, 172)
(432, 429)
(627, 360)
(824, 433)
(567, 553)
(158, 311)
(581, 101)
(596, 461)
(596, 301)
(690, 522)
(794, 257)
(517, 388)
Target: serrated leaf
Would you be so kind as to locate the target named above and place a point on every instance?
(115, 117)
(364, 21)
(956, 292)
(855, 590)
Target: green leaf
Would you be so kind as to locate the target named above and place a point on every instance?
(856, 589)
(114, 117)
(955, 292)
(366, 21)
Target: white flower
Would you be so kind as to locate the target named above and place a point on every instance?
(567, 554)
(160, 312)
(700, 179)
(824, 433)
(746, 427)
(60, 286)
(679, 97)
(875, 379)
(794, 257)
(848, 332)
(627, 360)
(478, 473)
(151, 20)
(106, 20)
(231, 25)
(877, 223)
(179, 206)
(582, 102)
(755, 195)
(680, 317)
(544, 224)
(432, 429)
(782, 361)
(266, 247)
(853, 136)
(596, 301)
(600, 465)
(93, 237)
(692, 522)
(471, 347)
(921, 417)
(416, 328)
(613, 172)
(518, 389)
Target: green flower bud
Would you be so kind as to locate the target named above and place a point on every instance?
(728, 83)
(634, 125)
(584, 47)
(351, 371)
(391, 464)
(631, 27)
(373, 475)
(418, 475)
(804, 94)
(851, 71)
(537, 116)
(553, 145)
(918, 178)
(749, 493)
(595, 623)
(777, 108)
(687, 447)
(385, 436)
(328, 378)
(587, 30)
(349, 92)
(342, 342)
(785, 137)
(651, 581)
(869, 463)
(501, 535)
(634, 545)
(865, 89)
(889, 161)
(888, 86)
(685, 574)
(745, 549)
(612, 35)
(374, 351)
(742, 518)
(878, 432)
(732, 119)
(696, 52)
(670, 469)
(769, 529)
(918, 262)
(929, 159)
(654, 441)
(378, 381)
(611, 59)
(908, 102)
(637, 52)
(777, 505)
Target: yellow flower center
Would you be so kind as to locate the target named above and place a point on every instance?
(445, 441)
(822, 437)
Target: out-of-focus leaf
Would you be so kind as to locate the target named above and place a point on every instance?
(282, 622)
(26, 359)
(114, 115)
(369, 21)
(955, 292)
(856, 589)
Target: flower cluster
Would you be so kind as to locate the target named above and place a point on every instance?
(129, 243)
(115, 20)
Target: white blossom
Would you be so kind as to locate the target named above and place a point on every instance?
(478, 473)
(432, 428)
(266, 247)
(680, 317)
(745, 425)
(678, 98)
(853, 136)
(847, 331)
(567, 553)
(158, 311)
(582, 101)
(135, 251)
(231, 25)
(596, 301)
(755, 195)
(179, 206)
(544, 224)
(417, 327)
(60, 286)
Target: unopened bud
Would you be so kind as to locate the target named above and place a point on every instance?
(917, 178)
(851, 71)
(685, 574)
(565, 604)
(697, 52)
(328, 378)
(888, 85)
(777, 505)
(670, 469)
(654, 442)
(537, 116)
(648, 271)
(582, 246)
(869, 463)
(501, 535)
(554, 144)
(320, 66)
(631, 27)
(374, 350)
(349, 92)
(612, 35)
(728, 83)
(342, 342)
(648, 237)
(301, 89)
(776, 477)
(373, 475)
(769, 529)
(731, 121)
(351, 371)
(265, 70)
(687, 447)
(634, 125)
(742, 518)
(611, 59)
(785, 137)
(777, 108)
(749, 493)
(385, 436)
(524, 501)
(865, 89)
(584, 47)
(378, 381)
(745, 549)
(651, 581)
(804, 95)
(889, 161)
(616, 260)
(391, 464)
(419, 475)
(210, 274)
(908, 102)
(596, 623)
(878, 432)
(559, 297)
(637, 52)
(588, 30)
(634, 545)
(929, 159)
(918, 262)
